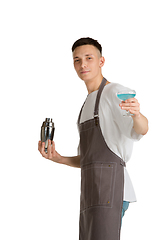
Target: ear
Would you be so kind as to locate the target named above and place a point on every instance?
(101, 62)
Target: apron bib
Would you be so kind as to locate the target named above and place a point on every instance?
(102, 182)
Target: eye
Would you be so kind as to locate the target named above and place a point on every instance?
(76, 60)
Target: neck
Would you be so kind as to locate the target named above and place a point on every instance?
(93, 84)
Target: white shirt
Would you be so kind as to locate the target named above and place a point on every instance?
(117, 130)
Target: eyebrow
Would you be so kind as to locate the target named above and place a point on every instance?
(85, 55)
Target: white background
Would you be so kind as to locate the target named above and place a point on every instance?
(39, 199)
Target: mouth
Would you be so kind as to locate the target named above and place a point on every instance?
(84, 72)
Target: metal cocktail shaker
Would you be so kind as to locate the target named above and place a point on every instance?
(47, 131)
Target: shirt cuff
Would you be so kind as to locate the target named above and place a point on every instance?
(135, 135)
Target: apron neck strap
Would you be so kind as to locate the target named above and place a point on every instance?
(96, 117)
(103, 83)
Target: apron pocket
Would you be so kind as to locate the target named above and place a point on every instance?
(97, 185)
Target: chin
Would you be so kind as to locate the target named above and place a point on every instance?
(85, 78)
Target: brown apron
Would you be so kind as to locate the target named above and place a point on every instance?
(102, 182)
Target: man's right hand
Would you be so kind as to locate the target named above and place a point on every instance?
(51, 152)
(53, 155)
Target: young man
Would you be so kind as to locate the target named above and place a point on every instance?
(106, 142)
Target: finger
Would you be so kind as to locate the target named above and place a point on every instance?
(136, 112)
(53, 148)
(131, 108)
(39, 146)
(44, 154)
(53, 145)
(131, 104)
(49, 149)
(131, 100)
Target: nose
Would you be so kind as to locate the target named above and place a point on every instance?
(83, 64)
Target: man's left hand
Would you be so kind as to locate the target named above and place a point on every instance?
(132, 105)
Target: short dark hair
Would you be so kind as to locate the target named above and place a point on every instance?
(87, 41)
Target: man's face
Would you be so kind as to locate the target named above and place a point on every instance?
(87, 62)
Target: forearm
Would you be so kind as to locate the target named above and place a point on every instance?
(71, 161)
(140, 124)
